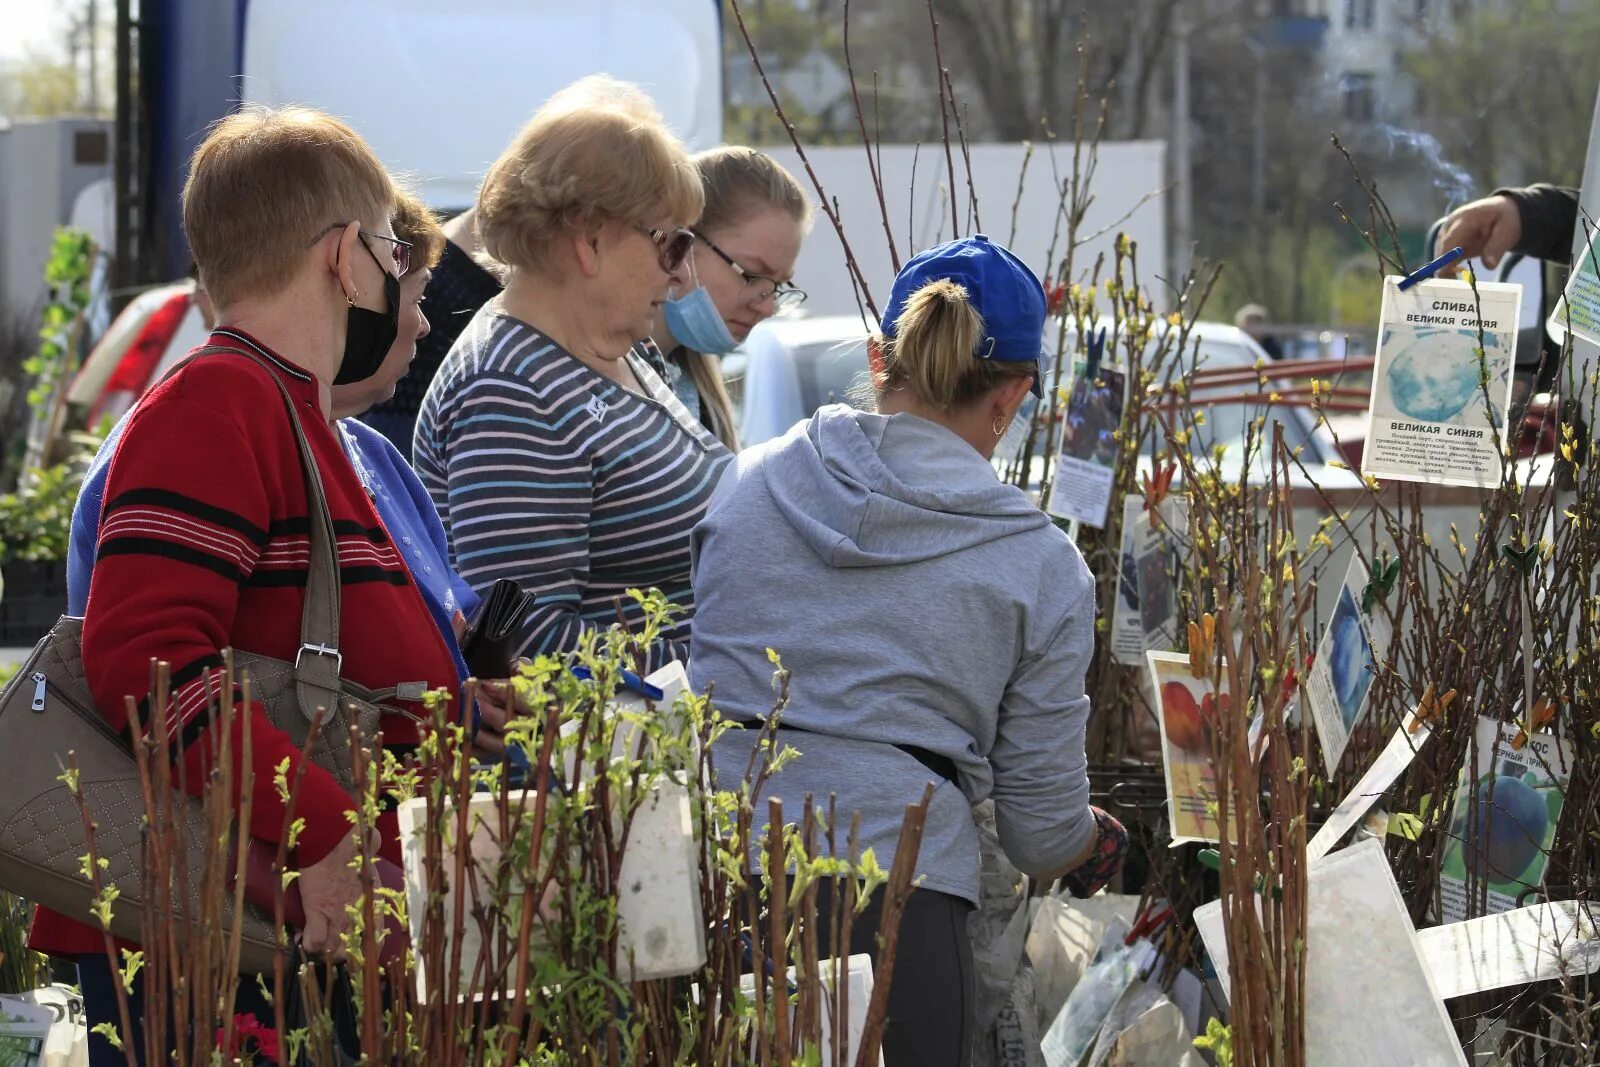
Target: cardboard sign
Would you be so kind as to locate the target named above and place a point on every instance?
(1347, 659)
(1507, 804)
(1437, 404)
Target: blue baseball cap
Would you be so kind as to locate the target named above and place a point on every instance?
(1002, 288)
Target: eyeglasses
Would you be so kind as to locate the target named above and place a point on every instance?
(674, 246)
(400, 250)
(759, 287)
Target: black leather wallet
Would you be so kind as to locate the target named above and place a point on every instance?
(487, 644)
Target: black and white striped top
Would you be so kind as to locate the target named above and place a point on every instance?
(547, 473)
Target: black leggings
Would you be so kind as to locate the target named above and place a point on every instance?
(931, 994)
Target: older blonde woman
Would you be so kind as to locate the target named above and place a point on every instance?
(555, 454)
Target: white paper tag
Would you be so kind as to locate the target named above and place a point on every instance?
(1548, 940)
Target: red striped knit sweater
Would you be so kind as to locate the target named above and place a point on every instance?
(204, 545)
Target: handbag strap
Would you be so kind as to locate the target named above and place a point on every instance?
(318, 662)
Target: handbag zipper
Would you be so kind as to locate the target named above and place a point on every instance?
(89, 714)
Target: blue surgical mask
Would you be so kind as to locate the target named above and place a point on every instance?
(695, 321)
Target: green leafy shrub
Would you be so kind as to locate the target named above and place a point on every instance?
(36, 519)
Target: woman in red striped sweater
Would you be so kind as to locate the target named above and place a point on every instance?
(204, 539)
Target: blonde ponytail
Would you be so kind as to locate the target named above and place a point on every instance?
(934, 352)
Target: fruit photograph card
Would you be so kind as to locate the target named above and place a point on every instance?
(1187, 708)
(1341, 675)
(1438, 404)
(1508, 801)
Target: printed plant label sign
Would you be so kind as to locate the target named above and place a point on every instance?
(1127, 626)
(1139, 622)
(1346, 663)
(1187, 708)
(1579, 306)
(1159, 544)
(1087, 461)
(1518, 795)
(1437, 408)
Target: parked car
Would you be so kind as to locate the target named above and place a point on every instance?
(789, 367)
(155, 331)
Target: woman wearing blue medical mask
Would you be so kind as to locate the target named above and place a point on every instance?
(740, 272)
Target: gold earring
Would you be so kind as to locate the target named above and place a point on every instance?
(997, 427)
(351, 300)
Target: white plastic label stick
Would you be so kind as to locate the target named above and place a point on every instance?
(1390, 764)
(1531, 944)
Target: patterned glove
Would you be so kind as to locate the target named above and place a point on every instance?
(1109, 851)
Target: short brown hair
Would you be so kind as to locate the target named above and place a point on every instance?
(415, 223)
(596, 151)
(261, 185)
(738, 180)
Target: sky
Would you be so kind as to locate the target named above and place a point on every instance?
(36, 23)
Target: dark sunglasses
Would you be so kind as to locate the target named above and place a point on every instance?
(674, 246)
(759, 287)
(399, 250)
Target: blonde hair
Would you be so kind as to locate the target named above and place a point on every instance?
(738, 179)
(934, 349)
(415, 222)
(597, 151)
(261, 186)
(705, 371)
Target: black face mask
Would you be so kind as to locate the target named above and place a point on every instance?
(368, 334)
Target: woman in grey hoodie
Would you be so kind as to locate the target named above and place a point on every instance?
(936, 624)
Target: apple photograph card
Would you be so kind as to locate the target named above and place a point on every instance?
(1187, 707)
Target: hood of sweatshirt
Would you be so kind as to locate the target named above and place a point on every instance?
(866, 490)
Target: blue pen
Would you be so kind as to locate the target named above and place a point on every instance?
(1428, 270)
(630, 681)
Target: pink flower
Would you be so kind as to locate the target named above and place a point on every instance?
(250, 1037)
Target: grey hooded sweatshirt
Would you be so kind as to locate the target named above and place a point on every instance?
(916, 601)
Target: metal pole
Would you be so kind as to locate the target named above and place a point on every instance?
(122, 160)
(92, 29)
(1258, 161)
(1183, 162)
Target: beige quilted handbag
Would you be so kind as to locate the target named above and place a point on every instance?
(46, 710)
